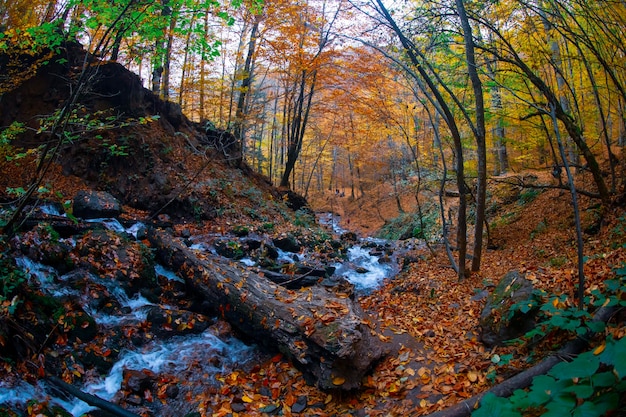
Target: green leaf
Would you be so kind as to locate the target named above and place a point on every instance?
(596, 326)
(523, 400)
(543, 384)
(607, 402)
(583, 366)
(538, 397)
(620, 358)
(560, 405)
(492, 405)
(582, 390)
(603, 379)
(588, 409)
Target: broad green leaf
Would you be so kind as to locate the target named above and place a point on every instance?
(492, 405)
(588, 409)
(620, 358)
(560, 405)
(544, 384)
(608, 401)
(583, 366)
(582, 390)
(603, 379)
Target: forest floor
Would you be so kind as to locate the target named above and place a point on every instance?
(427, 317)
(435, 317)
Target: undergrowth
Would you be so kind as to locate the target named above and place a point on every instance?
(592, 384)
(409, 225)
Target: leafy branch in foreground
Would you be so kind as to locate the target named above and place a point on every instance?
(592, 384)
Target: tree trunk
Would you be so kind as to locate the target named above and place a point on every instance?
(108, 407)
(561, 84)
(501, 165)
(167, 59)
(448, 116)
(240, 112)
(479, 133)
(324, 333)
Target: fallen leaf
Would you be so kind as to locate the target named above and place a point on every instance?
(338, 380)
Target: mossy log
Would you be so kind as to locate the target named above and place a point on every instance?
(325, 334)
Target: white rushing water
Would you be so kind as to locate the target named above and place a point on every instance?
(193, 356)
(363, 269)
(177, 356)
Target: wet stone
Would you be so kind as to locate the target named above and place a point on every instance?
(133, 399)
(288, 244)
(238, 407)
(95, 204)
(172, 391)
(300, 404)
(138, 381)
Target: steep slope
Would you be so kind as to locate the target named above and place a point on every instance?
(123, 139)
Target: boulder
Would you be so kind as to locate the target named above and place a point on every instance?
(498, 322)
(229, 248)
(166, 323)
(95, 205)
(287, 243)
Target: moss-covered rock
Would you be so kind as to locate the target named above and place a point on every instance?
(498, 321)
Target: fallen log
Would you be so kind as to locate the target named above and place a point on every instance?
(525, 378)
(325, 334)
(291, 282)
(90, 399)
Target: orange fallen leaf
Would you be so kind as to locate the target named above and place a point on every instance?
(338, 380)
(599, 349)
(472, 376)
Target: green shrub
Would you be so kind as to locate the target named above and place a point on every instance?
(588, 386)
(10, 280)
(592, 384)
(408, 225)
(304, 218)
(528, 196)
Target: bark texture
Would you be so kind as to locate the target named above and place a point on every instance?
(324, 333)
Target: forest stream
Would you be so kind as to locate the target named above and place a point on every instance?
(198, 359)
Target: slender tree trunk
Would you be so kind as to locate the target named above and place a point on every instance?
(481, 193)
(186, 66)
(167, 59)
(579, 233)
(246, 83)
(557, 62)
(448, 116)
(157, 60)
(413, 53)
(572, 128)
(298, 124)
(501, 165)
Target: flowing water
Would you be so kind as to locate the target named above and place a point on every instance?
(195, 358)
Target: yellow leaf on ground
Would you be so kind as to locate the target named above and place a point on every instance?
(338, 380)
(599, 349)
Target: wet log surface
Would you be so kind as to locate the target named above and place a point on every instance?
(325, 334)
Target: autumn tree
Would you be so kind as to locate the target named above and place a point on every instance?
(509, 49)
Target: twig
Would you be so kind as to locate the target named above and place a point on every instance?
(90, 399)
